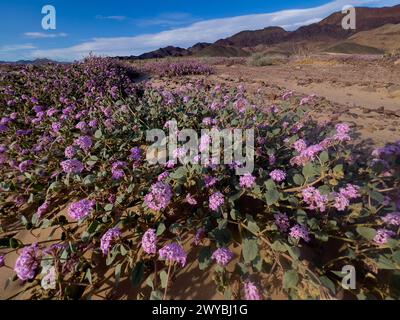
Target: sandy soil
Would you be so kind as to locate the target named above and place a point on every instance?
(365, 92)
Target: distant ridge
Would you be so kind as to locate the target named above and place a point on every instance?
(328, 30)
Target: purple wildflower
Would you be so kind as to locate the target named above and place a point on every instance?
(149, 241)
(81, 209)
(200, 233)
(108, 239)
(2, 262)
(392, 219)
(27, 263)
(383, 235)
(136, 153)
(282, 221)
(159, 197)
(251, 292)
(84, 142)
(278, 175)
(70, 152)
(43, 209)
(315, 199)
(190, 199)
(216, 200)
(299, 232)
(209, 181)
(173, 252)
(222, 256)
(163, 176)
(247, 181)
(72, 166)
(24, 165)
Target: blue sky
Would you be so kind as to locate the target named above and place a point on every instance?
(122, 27)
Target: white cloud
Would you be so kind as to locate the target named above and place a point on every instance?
(16, 47)
(43, 35)
(203, 31)
(118, 18)
(172, 19)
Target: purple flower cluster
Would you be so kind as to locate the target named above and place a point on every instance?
(27, 263)
(222, 256)
(278, 175)
(84, 142)
(81, 209)
(342, 132)
(72, 166)
(108, 239)
(383, 235)
(392, 219)
(216, 200)
(282, 221)
(70, 152)
(190, 199)
(210, 181)
(299, 232)
(117, 170)
(43, 209)
(159, 196)
(251, 292)
(200, 234)
(315, 199)
(173, 252)
(247, 181)
(342, 199)
(149, 241)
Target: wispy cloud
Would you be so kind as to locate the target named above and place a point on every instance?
(173, 19)
(203, 31)
(16, 47)
(43, 35)
(117, 18)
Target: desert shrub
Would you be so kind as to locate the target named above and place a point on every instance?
(261, 60)
(166, 68)
(72, 154)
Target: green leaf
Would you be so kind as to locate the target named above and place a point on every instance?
(309, 170)
(137, 274)
(290, 279)
(117, 273)
(98, 134)
(156, 295)
(385, 263)
(270, 184)
(328, 283)
(272, 196)
(88, 275)
(164, 279)
(205, 258)
(15, 243)
(161, 228)
(108, 207)
(396, 256)
(324, 157)
(250, 250)
(298, 179)
(93, 226)
(252, 225)
(367, 233)
(279, 246)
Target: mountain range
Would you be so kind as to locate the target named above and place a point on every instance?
(328, 33)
